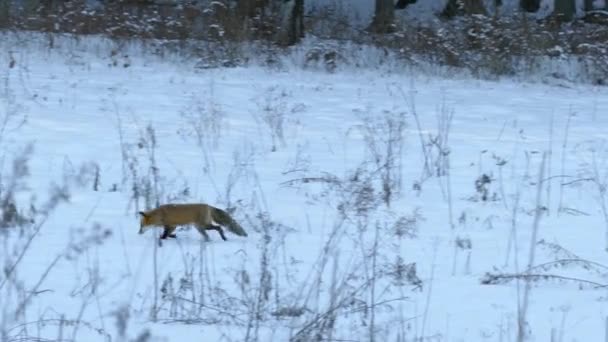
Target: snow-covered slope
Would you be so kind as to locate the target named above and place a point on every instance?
(302, 156)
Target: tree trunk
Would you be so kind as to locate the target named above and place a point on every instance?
(589, 5)
(530, 6)
(384, 17)
(292, 22)
(250, 8)
(401, 4)
(564, 10)
(281, 21)
(5, 13)
(463, 7)
(250, 13)
(299, 19)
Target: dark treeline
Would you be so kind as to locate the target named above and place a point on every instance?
(282, 21)
(486, 37)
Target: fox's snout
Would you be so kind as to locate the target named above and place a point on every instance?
(142, 222)
(143, 228)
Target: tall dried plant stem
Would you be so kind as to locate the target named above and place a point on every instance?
(521, 322)
(563, 161)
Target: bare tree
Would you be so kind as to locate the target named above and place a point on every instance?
(281, 20)
(564, 10)
(250, 8)
(401, 4)
(529, 5)
(384, 17)
(5, 10)
(252, 15)
(463, 7)
(292, 22)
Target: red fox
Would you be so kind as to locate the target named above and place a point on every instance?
(202, 216)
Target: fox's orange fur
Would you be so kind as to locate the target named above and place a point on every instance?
(202, 216)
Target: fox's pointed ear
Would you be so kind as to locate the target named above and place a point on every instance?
(143, 214)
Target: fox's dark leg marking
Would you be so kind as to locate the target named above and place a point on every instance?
(172, 233)
(219, 230)
(168, 232)
(201, 229)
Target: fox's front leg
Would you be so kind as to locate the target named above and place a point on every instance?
(168, 232)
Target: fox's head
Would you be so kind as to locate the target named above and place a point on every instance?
(145, 222)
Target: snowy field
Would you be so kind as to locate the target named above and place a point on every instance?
(380, 205)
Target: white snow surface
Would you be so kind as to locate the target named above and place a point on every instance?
(77, 109)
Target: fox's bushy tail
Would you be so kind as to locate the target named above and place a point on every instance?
(227, 221)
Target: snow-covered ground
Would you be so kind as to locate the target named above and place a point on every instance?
(303, 156)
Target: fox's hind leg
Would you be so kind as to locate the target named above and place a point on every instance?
(219, 230)
(168, 232)
(201, 229)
